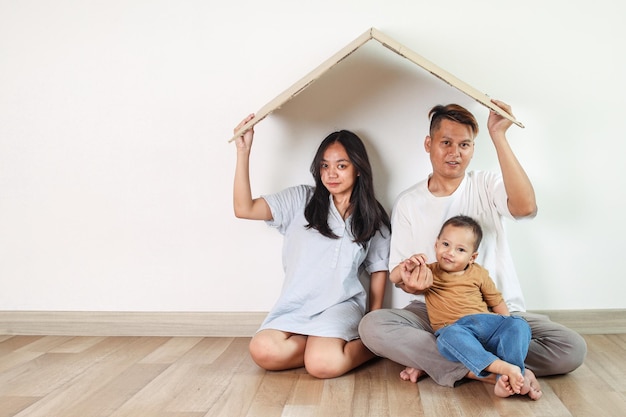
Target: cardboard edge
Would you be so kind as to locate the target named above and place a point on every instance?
(304, 82)
(346, 51)
(442, 74)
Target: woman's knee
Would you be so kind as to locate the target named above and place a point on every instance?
(323, 370)
(261, 352)
(266, 353)
(323, 366)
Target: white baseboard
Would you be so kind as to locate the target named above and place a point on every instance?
(224, 324)
(609, 321)
(105, 323)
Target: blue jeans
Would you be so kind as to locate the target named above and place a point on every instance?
(477, 340)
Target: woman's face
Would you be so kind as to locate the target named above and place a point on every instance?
(337, 171)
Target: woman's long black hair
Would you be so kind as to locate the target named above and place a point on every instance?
(368, 215)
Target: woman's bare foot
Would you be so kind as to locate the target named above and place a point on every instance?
(531, 386)
(412, 374)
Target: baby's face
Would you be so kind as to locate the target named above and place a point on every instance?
(455, 248)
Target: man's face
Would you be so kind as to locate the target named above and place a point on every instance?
(451, 149)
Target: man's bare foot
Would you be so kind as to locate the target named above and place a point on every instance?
(531, 386)
(412, 374)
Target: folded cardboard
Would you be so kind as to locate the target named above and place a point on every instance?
(392, 45)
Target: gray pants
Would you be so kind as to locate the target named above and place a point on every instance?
(405, 336)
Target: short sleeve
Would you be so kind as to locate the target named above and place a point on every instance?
(494, 183)
(286, 204)
(377, 258)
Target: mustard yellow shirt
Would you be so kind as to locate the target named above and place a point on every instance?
(454, 296)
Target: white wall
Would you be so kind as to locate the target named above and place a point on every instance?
(116, 174)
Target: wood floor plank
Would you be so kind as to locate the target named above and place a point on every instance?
(78, 344)
(198, 382)
(215, 377)
(16, 358)
(242, 380)
(307, 391)
(44, 344)
(42, 375)
(271, 394)
(583, 393)
(218, 378)
(86, 381)
(12, 405)
(444, 401)
(155, 396)
(467, 393)
(404, 398)
(605, 357)
(172, 350)
(194, 383)
(523, 406)
(338, 397)
(207, 350)
(51, 370)
(369, 391)
(173, 414)
(294, 410)
(101, 401)
(16, 342)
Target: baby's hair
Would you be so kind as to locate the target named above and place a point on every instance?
(467, 222)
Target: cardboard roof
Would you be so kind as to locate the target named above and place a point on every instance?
(389, 43)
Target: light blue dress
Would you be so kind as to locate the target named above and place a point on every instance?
(322, 294)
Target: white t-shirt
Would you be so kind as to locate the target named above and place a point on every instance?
(322, 294)
(417, 217)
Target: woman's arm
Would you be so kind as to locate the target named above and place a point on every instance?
(244, 205)
(378, 281)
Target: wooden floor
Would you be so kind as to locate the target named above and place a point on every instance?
(62, 376)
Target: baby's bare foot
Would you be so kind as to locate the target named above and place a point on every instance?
(412, 374)
(514, 379)
(503, 388)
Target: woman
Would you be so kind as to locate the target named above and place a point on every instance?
(331, 232)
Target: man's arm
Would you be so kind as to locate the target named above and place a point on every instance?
(519, 189)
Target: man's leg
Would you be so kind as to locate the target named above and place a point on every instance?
(405, 336)
(554, 349)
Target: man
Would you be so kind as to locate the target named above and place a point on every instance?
(404, 335)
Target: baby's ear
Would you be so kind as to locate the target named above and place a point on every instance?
(473, 258)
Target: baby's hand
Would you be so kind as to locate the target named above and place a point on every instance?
(419, 278)
(416, 260)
